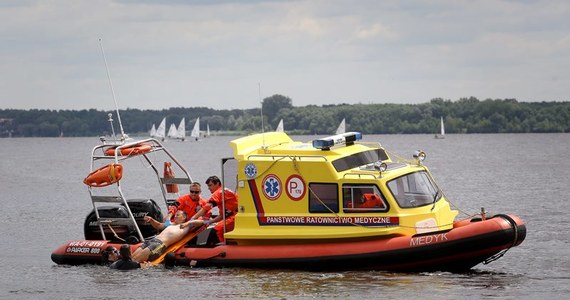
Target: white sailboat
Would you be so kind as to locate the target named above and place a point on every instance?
(341, 127)
(152, 132)
(195, 134)
(181, 130)
(161, 130)
(441, 134)
(279, 126)
(172, 131)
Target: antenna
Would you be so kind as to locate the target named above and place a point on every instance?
(261, 103)
(123, 135)
(261, 111)
(111, 123)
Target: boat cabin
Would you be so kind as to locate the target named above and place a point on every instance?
(335, 188)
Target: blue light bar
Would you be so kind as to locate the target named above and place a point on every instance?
(340, 139)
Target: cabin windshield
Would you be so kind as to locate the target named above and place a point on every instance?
(414, 189)
(359, 159)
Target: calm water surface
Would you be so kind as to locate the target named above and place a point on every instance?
(45, 203)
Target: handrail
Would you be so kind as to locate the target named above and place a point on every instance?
(359, 175)
(292, 157)
(177, 180)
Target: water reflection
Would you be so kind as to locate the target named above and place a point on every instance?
(352, 284)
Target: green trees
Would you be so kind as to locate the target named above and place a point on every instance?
(466, 115)
(272, 105)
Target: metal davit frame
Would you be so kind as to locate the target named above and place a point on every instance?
(119, 152)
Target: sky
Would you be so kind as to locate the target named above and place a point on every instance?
(231, 54)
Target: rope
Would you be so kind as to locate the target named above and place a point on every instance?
(501, 253)
(194, 262)
(496, 256)
(114, 233)
(271, 165)
(402, 159)
(298, 171)
(150, 159)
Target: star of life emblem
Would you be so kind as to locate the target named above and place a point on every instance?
(271, 187)
(250, 170)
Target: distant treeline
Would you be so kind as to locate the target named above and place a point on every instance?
(466, 115)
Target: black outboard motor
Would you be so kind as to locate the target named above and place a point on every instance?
(145, 207)
(139, 207)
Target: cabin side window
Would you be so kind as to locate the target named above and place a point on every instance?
(363, 198)
(323, 198)
(413, 190)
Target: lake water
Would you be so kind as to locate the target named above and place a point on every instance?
(44, 203)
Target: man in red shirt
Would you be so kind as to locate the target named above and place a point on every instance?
(229, 205)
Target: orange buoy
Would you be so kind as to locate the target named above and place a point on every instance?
(104, 176)
(168, 173)
(134, 150)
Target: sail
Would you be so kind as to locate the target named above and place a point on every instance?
(342, 127)
(441, 134)
(208, 129)
(161, 130)
(172, 132)
(195, 134)
(181, 130)
(153, 131)
(279, 126)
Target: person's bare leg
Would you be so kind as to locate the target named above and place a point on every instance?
(141, 255)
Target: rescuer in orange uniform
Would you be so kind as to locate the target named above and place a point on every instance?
(190, 203)
(228, 208)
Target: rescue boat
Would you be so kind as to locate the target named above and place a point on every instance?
(335, 203)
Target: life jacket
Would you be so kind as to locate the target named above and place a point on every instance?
(230, 198)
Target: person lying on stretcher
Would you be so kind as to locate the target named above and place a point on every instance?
(153, 248)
